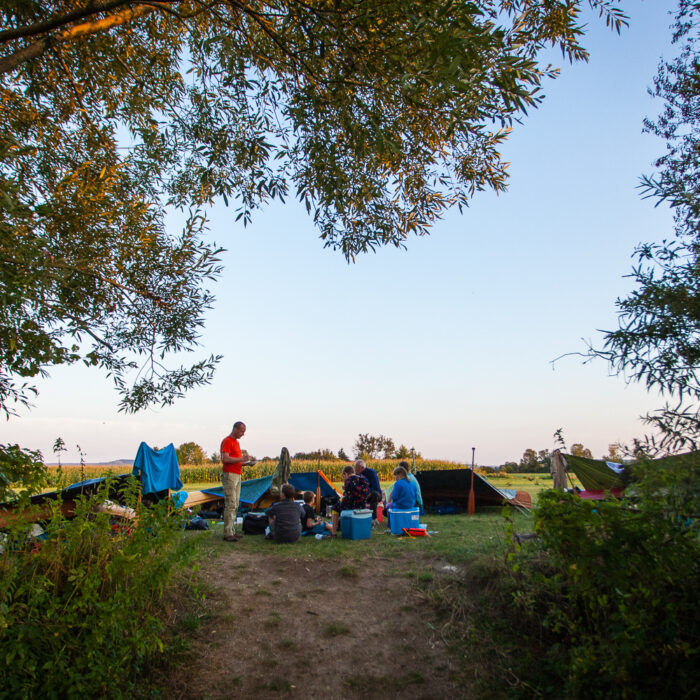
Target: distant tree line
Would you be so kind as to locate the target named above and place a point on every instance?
(368, 447)
(381, 447)
(374, 447)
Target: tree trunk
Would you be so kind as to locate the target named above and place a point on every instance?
(558, 470)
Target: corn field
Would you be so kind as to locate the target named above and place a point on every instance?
(211, 473)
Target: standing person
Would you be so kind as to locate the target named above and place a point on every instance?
(232, 461)
(375, 488)
(355, 495)
(284, 517)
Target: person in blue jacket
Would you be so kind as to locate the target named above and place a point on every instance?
(414, 481)
(404, 494)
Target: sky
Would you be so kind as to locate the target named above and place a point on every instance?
(443, 347)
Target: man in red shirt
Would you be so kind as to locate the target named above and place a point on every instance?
(232, 460)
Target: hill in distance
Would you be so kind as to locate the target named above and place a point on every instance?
(113, 463)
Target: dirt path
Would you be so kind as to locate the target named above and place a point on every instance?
(301, 627)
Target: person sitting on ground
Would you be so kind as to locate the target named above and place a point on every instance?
(355, 496)
(375, 488)
(403, 496)
(285, 523)
(311, 524)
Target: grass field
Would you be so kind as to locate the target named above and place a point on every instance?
(456, 538)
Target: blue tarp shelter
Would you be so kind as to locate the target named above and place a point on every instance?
(254, 490)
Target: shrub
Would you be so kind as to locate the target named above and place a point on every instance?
(21, 472)
(79, 612)
(610, 596)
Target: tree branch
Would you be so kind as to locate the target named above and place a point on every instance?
(39, 47)
(48, 24)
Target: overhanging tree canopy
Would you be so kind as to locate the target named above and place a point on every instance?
(377, 114)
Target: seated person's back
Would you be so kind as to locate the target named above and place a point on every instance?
(285, 517)
(403, 496)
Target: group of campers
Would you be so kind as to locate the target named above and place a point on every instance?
(361, 489)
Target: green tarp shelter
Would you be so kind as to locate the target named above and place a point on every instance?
(599, 475)
(595, 474)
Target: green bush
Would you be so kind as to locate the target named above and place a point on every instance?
(21, 472)
(610, 596)
(79, 611)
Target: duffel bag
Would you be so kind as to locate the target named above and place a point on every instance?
(255, 523)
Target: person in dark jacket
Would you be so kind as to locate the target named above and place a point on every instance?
(375, 488)
(355, 496)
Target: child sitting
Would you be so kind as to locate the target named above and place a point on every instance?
(311, 524)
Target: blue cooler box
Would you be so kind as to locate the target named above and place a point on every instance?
(399, 519)
(356, 524)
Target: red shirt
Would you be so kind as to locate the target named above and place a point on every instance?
(231, 447)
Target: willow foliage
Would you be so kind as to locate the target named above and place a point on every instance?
(378, 115)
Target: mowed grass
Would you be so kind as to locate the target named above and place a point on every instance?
(453, 539)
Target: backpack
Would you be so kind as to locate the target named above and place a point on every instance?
(197, 523)
(328, 501)
(255, 523)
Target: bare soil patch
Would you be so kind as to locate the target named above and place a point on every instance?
(304, 627)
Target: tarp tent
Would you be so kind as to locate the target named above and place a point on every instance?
(598, 476)
(595, 474)
(252, 490)
(158, 471)
(444, 487)
(255, 493)
(41, 502)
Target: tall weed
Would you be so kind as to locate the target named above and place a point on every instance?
(79, 611)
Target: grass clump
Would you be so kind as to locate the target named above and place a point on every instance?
(348, 571)
(336, 629)
(273, 619)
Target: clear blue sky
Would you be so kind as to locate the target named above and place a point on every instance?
(444, 346)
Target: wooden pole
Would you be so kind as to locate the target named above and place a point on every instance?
(318, 485)
(318, 493)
